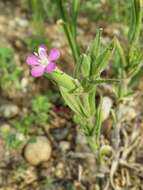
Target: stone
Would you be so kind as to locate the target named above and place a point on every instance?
(21, 22)
(59, 171)
(4, 128)
(9, 110)
(20, 136)
(126, 112)
(24, 84)
(60, 134)
(64, 146)
(38, 151)
(106, 150)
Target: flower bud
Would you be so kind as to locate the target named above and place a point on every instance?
(106, 107)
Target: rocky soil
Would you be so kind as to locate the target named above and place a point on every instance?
(59, 158)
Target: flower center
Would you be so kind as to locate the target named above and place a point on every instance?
(44, 61)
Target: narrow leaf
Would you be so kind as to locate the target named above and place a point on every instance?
(94, 48)
(103, 60)
(86, 65)
(100, 81)
(72, 101)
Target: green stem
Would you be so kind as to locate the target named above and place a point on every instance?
(75, 8)
(71, 37)
(136, 24)
(139, 12)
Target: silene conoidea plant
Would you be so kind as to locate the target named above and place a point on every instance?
(80, 89)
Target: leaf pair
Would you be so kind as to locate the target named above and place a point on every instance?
(92, 63)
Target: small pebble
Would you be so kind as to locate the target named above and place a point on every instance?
(39, 151)
(60, 134)
(126, 112)
(4, 128)
(64, 146)
(20, 137)
(9, 110)
(21, 22)
(59, 172)
(81, 143)
(24, 84)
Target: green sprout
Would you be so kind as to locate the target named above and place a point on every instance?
(9, 72)
(40, 109)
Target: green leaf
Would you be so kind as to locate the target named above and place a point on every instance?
(94, 48)
(38, 17)
(102, 61)
(86, 65)
(121, 52)
(77, 72)
(40, 104)
(89, 102)
(136, 24)
(133, 23)
(100, 81)
(87, 86)
(99, 120)
(75, 8)
(72, 101)
(62, 79)
(69, 28)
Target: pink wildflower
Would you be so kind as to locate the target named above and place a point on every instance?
(41, 62)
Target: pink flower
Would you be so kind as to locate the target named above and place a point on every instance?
(41, 62)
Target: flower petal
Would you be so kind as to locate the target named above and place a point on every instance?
(38, 71)
(50, 67)
(54, 54)
(42, 50)
(32, 60)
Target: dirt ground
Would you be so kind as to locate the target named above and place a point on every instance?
(72, 165)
